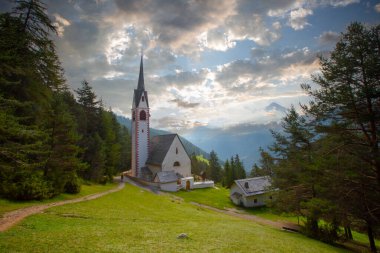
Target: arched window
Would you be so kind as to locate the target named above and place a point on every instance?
(134, 115)
(142, 115)
(142, 98)
(176, 150)
(176, 164)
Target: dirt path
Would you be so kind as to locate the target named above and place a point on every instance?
(237, 213)
(11, 218)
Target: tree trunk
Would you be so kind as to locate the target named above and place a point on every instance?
(347, 233)
(371, 238)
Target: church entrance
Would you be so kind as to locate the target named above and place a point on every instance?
(187, 185)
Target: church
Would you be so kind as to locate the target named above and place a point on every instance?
(162, 159)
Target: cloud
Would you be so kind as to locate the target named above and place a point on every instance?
(297, 18)
(328, 37)
(267, 70)
(60, 23)
(184, 104)
(377, 7)
(216, 39)
(338, 3)
(176, 23)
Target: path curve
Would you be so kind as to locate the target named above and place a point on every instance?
(11, 218)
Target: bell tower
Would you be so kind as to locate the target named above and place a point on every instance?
(140, 125)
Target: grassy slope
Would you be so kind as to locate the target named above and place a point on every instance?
(133, 220)
(8, 205)
(219, 198)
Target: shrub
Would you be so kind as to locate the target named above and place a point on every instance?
(27, 186)
(72, 185)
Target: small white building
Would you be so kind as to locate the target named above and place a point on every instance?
(251, 192)
(167, 180)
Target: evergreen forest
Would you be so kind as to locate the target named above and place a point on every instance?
(50, 141)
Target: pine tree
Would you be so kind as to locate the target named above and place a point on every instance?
(346, 104)
(62, 163)
(214, 167)
(239, 168)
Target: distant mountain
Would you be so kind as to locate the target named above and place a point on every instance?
(275, 107)
(243, 139)
(190, 147)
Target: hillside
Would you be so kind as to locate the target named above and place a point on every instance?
(190, 147)
(134, 220)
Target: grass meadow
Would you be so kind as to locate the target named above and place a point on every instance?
(134, 220)
(219, 197)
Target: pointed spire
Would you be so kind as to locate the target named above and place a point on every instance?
(141, 85)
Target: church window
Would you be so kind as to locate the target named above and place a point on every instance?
(142, 98)
(133, 115)
(176, 150)
(142, 115)
(176, 164)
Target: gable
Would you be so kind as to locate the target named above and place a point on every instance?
(176, 153)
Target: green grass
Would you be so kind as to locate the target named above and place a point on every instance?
(134, 220)
(219, 198)
(9, 205)
(216, 197)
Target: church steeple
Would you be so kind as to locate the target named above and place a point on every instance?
(140, 126)
(140, 95)
(140, 85)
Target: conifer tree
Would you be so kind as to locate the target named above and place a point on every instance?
(346, 104)
(214, 167)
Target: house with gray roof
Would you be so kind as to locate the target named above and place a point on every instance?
(168, 180)
(252, 192)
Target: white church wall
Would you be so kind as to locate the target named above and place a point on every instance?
(181, 156)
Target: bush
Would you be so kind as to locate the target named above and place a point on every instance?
(27, 186)
(72, 186)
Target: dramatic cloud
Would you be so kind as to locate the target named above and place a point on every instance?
(177, 24)
(207, 63)
(267, 70)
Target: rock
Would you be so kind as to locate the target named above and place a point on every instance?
(182, 236)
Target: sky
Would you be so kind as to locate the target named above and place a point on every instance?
(212, 63)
